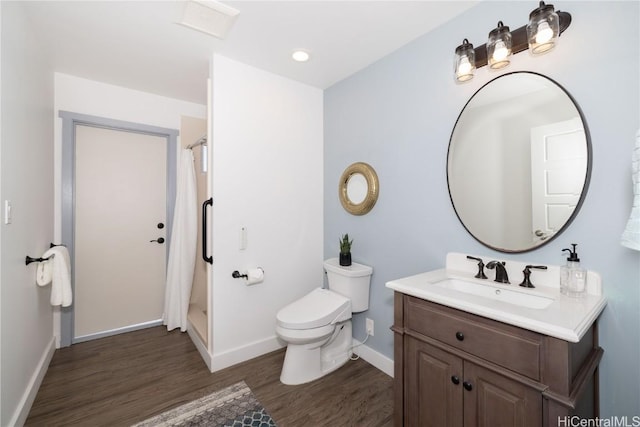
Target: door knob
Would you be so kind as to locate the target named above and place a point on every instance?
(540, 234)
(160, 240)
(455, 379)
(467, 386)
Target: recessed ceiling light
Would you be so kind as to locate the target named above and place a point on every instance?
(300, 55)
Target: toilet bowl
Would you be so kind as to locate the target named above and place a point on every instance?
(317, 327)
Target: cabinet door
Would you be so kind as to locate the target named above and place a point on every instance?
(433, 386)
(496, 401)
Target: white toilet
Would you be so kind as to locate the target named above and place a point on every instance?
(317, 327)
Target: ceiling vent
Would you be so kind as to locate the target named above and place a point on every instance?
(209, 17)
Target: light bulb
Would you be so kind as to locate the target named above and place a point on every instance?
(544, 33)
(465, 66)
(499, 47)
(500, 52)
(464, 63)
(300, 55)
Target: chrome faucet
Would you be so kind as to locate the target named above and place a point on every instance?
(501, 272)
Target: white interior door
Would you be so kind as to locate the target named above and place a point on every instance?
(558, 170)
(120, 200)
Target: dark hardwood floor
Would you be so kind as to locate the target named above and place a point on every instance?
(120, 380)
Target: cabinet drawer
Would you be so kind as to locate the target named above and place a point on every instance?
(505, 345)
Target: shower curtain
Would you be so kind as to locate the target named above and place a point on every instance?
(182, 254)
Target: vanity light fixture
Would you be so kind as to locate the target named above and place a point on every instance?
(499, 47)
(465, 61)
(539, 35)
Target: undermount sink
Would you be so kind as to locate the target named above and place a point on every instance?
(522, 299)
(542, 309)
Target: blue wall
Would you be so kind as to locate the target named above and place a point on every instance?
(397, 115)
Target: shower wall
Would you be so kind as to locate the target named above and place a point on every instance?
(192, 129)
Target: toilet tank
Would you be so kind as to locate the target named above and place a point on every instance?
(352, 282)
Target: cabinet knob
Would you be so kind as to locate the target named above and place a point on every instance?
(459, 336)
(467, 386)
(455, 379)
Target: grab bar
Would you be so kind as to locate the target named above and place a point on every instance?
(206, 258)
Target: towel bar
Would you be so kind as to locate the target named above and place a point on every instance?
(29, 260)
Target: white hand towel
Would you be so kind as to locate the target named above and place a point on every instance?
(44, 272)
(60, 275)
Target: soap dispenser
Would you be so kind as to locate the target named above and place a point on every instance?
(573, 278)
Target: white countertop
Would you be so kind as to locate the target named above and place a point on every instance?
(566, 318)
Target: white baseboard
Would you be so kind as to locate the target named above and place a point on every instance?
(24, 406)
(240, 354)
(202, 349)
(375, 358)
(117, 331)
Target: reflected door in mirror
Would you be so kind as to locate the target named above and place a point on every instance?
(558, 167)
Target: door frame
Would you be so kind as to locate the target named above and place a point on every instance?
(68, 174)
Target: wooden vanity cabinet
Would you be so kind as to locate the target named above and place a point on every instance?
(448, 391)
(454, 369)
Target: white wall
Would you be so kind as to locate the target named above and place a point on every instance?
(85, 96)
(267, 177)
(27, 180)
(0, 199)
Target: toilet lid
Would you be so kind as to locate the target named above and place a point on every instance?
(318, 308)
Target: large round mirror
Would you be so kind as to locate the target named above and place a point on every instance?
(519, 162)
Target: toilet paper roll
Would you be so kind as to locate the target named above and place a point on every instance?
(255, 275)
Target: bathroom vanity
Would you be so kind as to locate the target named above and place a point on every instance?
(464, 358)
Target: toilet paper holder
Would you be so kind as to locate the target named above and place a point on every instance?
(236, 275)
(252, 276)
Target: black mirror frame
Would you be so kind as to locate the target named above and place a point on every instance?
(587, 179)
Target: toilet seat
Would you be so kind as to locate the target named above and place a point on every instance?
(305, 336)
(318, 308)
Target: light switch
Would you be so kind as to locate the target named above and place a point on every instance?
(243, 238)
(7, 212)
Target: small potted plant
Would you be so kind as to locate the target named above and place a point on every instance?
(345, 250)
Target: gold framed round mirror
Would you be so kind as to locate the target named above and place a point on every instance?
(358, 188)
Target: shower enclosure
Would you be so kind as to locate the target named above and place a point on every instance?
(193, 135)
